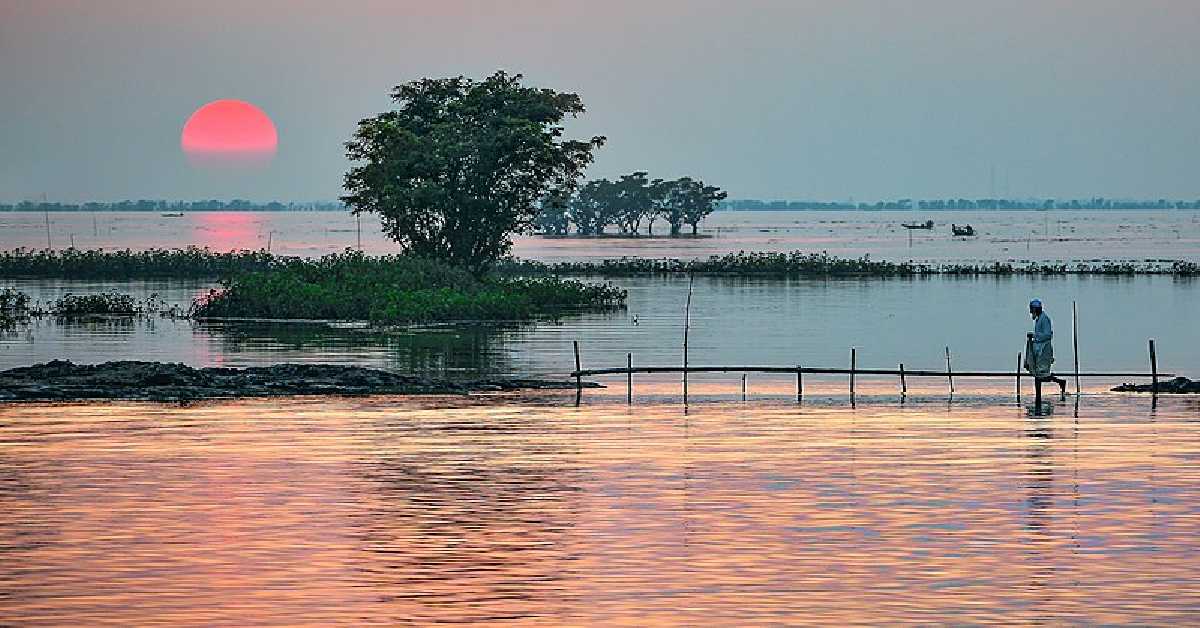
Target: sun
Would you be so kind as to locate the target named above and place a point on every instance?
(229, 133)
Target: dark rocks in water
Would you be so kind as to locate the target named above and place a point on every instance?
(157, 381)
(1177, 386)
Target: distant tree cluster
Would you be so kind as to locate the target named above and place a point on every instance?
(144, 205)
(627, 204)
(1097, 203)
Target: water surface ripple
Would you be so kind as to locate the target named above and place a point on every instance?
(387, 511)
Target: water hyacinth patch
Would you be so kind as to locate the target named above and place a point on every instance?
(396, 289)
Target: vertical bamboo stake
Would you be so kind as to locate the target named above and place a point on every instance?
(853, 359)
(629, 379)
(949, 373)
(903, 384)
(1075, 340)
(578, 368)
(687, 324)
(1153, 369)
(743, 386)
(799, 383)
(46, 211)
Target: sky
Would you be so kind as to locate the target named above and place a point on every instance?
(793, 99)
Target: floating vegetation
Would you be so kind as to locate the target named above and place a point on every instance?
(194, 262)
(111, 304)
(14, 307)
(801, 264)
(189, 262)
(396, 289)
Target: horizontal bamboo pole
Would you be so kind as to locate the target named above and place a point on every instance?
(826, 371)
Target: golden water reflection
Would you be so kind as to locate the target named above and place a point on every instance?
(388, 511)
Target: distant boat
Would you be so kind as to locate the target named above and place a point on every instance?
(928, 224)
(172, 215)
(966, 230)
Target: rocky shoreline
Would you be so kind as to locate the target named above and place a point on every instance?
(62, 380)
(1177, 386)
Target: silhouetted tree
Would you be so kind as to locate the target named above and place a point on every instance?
(460, 165)
(634, 201)
(552, 215)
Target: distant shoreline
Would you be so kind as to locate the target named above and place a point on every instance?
(1189, 206)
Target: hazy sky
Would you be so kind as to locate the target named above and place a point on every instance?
(770, 99)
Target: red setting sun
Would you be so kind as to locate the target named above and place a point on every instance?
(229, 133)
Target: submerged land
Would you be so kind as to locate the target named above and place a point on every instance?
(62, 380)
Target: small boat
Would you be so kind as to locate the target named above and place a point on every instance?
(172, 215)
(928, 224)
(965, 230)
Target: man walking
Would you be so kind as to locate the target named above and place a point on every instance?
(1039, 353)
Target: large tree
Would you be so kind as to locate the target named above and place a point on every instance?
(461, 164)
(634, 201)
(690, 201)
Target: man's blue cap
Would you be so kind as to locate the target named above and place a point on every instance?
(1035, 303)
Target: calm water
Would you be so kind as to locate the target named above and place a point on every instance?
(735, 321)
(1040, 236)
(528, 510)
(532, 510)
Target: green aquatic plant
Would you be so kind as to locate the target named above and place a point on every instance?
(801, 264)
(201, 263)
(396, 289)
(14, 307)
(110, 304)
(795, 263)
(72, 263)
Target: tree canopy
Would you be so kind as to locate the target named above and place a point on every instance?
(461, 164)
(632, 200)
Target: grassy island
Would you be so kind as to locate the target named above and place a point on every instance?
(396, 289)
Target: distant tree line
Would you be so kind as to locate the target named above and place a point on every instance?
(949, 204)
(1099, 203)
(627, 204)
(144, 205)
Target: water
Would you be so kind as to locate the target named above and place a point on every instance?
(528, 510)
(534, 510)
(734, 321)
(1004, 236)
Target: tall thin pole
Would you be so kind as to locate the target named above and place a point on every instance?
(903, 384)
(1153, 369)
(949, 372)
(1075, 341)
(799, 384)
(358, 221)
(46, 211)
(578, 368)
(687, 324)
(629, 379)
(853, 360)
